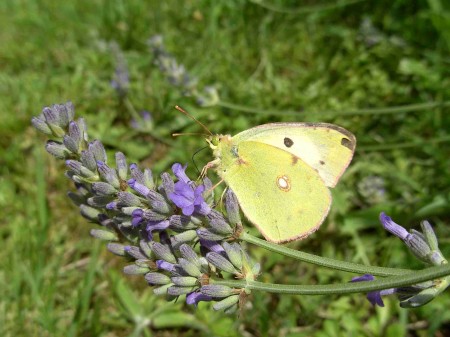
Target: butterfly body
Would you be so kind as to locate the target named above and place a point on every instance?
(281, 172)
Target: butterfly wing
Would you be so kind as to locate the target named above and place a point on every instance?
(279, 193)
(327, 148)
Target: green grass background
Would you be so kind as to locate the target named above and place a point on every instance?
(269, 56)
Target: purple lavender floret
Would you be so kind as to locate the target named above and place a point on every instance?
(374, 297)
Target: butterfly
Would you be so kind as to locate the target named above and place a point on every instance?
(281, 174)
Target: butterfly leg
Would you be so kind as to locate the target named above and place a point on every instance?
(211, 164)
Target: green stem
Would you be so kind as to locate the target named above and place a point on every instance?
(416, 277)
(324, 261)
(375, 111)
(306, 9)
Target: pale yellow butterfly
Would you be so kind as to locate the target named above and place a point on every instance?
(281, 172)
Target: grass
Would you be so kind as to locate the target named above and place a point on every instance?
(269, 59)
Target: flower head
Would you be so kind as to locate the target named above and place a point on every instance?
(423, 245)
(189, 199)
(186, 195)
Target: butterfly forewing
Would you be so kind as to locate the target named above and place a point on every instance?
(327, 148)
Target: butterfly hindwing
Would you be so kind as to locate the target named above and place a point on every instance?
(282, 195)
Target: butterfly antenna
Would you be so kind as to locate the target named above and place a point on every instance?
(189, 134)
(193, 118)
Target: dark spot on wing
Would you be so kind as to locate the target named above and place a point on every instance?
(288, 142)
(294, 160)
(322, 162)
(347, 143)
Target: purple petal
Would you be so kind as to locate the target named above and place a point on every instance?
(182, 194)
(374, 297)
(213, 246)
(157, 225)
(180, 200)
(135, 221)
(203, 209)
(188, 210)
(179, 172)
(195, 297)
(392, 227)
(164, 265)
(112, 205)
(366, 277)
(199, 191)
(138, 187)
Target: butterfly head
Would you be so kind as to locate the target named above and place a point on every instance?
(219, 144)
(215, 140)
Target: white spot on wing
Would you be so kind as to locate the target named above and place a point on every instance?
(283, 183)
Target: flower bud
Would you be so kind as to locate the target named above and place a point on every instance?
(184, 281)
(57, 150)
(99, 201)
(127, 199)
(104, 235)
(178, 291)
(221, 263)
(183, 237)
(89, 213)
(135, 252)
(189, 267)
(158, 202)
(88, 160)
(163, 290)
(226, 303)
(116, 249)
(218, 223)
(168, 185)
(157, 278)
(98, 150)
(121, 165)
(189, 254)
(163, 252)
(71, 144)
(429, 234)
(75, 133)
(208, 235)
(234, 252)
(108, 174)
(217, 290)
(41, 125)
(133, 269)
(181, 222)
(103, 188)
(232, 206)
(148, 179)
